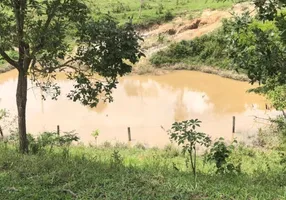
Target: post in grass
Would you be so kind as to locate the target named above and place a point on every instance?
(129, 136)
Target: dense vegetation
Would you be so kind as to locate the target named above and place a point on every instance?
(205, 50)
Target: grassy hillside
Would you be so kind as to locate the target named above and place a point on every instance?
(153, 11)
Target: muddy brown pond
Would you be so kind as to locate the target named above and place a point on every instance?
(146, 104)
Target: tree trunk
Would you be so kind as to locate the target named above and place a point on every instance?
(21, 98)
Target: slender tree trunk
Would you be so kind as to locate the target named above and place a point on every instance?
(21, 98)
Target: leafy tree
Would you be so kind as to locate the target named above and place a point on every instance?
(41, 32)
(258, 47)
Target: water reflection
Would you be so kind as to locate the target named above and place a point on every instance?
(144, 103)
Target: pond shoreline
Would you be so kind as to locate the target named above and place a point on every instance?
(4, 69)
(151, 70)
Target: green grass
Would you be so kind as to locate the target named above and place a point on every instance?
(153, 10)
(92, 173)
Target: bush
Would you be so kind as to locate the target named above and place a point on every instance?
(168, 16)
(220, 153)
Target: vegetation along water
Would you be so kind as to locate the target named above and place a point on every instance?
(72, 127)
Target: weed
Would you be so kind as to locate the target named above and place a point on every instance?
(161, 38)
(116, 159)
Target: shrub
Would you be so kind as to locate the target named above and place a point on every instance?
(168, 16)
(220, 153)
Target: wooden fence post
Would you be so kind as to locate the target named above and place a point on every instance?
(233, 124)
(129, 134)
(58, 129)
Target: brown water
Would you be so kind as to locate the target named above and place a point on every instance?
(145, 103)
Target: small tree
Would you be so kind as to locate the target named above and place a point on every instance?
(184, 133)
(39, 33)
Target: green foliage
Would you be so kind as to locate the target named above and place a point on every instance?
(168, 16)
(152, 11)
(171, 150)
(206, 50)
(160, 9)
(119, 7)
(258, 47)
(220, 153)
(277, 96)
(184, 133)
(47, 141)
(95, 133)
(116, 159)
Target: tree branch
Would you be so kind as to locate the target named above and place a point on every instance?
(8, 59)
(46, 26)
(65, 64)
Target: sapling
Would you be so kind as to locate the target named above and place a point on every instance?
(95, 134)
(185, 134)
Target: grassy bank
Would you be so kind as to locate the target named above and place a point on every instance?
(206, 54)
(207, 50)
(148, 68)
(136, 173)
